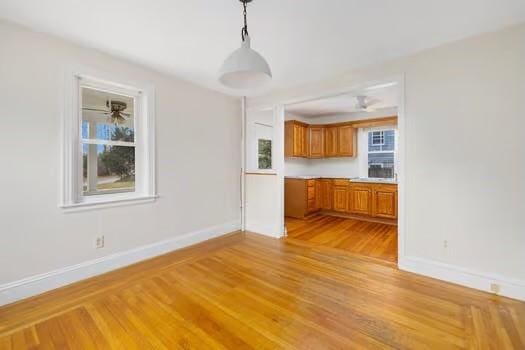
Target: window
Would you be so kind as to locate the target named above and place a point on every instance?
(108, 143)
(381, 153)
(378, 138)
(265, 154)
(263, 144)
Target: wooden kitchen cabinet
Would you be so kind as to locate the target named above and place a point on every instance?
(340, 199)
(316, 142)
(384, 201)
(326, 194)
(360, 199)
(345, 141)
(363, 200)
(318, 194)
(331, 141)
(300, 197)
(296, 139)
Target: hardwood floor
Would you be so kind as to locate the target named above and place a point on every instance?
(370, 239)
(244, 291)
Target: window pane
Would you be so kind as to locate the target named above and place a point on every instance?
(265, 154)
(108, 169)
(381, 165)
(105, 115)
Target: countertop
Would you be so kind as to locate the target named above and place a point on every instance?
(351, 179)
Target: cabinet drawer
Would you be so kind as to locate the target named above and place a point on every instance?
(341, 182)
(311, 193)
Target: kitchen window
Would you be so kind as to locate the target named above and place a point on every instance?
(382, 153)
(108, 144)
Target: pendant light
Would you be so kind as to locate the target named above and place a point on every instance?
(245, 68)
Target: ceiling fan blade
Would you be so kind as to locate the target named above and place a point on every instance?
(95, 110)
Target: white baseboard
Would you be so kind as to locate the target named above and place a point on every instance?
(508, 287)
(34, 285)
(265, 230)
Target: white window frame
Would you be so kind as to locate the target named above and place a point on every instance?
(382, 138)
(395, 151)
(72, 198)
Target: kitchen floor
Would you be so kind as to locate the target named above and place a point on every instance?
(369, 239)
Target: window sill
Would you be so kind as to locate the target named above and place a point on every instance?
(108, 201)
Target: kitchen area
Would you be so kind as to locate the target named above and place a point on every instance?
(340, 187)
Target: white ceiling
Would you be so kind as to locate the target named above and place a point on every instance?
(384, 97)
(303, 40)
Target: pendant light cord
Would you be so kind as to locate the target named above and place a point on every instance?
(244, 31)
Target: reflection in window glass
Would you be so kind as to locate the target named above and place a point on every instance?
(108, 142)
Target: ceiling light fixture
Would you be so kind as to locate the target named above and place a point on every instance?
(245, 68)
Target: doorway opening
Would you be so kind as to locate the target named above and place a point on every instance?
(341, 171)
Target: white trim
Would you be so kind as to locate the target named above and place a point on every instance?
(108, 142)
(34, 285)
(509, 287)
(107, 201)
(71, 174)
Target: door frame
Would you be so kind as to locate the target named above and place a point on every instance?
(399, 80)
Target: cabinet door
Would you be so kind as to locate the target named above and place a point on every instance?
(316, 142)
(326, 193)
(340, 198)
(305, 141)
(385, 202)
(331, 137)
(345, 141)
(361, 199)
(318, 194)
(298, 140)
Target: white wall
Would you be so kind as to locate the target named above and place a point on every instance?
(465, 169)
(198, 150)
(333, 167)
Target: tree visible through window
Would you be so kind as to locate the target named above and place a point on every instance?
(265, 154)
(108, 142)
(381, 154)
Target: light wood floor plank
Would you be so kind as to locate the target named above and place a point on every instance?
(246, 291)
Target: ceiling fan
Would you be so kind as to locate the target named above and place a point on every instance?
(364, 103)
(116, 114)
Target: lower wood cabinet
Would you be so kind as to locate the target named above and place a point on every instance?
(304, 197)
(326, 194)
(385, 201)
(360, 199)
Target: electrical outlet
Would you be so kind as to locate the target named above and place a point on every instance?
(445, 244)
(99, 242)
(495, 288)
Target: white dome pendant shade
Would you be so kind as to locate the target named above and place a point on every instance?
(245, 68)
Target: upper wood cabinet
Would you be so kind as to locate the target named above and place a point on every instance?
(316, 142)
(345, 141)
(331, 141)
(385, 201)
(295, 139)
